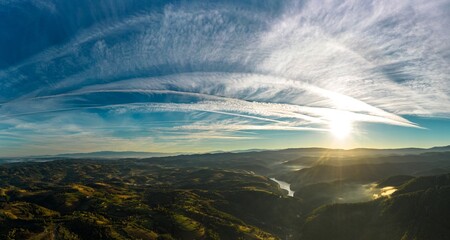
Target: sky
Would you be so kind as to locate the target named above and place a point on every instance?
(198, 76)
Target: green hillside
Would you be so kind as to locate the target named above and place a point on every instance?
(226, 196)
(420, 209)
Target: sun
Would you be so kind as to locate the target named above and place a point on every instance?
(340, 126)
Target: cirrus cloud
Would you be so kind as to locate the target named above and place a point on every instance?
(224, 69)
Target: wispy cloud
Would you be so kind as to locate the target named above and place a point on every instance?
(238, 68)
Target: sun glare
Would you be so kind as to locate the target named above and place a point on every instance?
(340, 126)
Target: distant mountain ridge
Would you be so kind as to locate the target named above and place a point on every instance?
(116, 154)
(97, 155)
(313, 151)
(372, 151)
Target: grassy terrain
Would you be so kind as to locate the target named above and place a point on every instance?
(135, 200)
(227, 196)
(420, 209)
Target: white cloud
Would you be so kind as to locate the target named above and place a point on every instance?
(293, 70)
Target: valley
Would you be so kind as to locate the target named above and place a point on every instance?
(228, 196)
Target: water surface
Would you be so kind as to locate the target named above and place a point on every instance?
(284, 185)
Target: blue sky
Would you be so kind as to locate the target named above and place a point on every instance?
(195, 76)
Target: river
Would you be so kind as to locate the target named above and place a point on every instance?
(284, 185)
